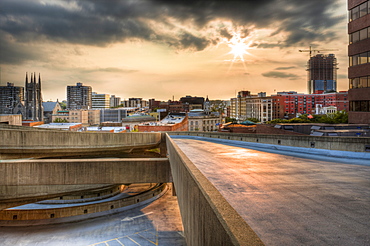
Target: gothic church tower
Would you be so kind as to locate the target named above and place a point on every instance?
(33, 99)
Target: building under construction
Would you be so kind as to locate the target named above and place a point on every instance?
(322, 74)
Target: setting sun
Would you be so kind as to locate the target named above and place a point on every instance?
(238, 47)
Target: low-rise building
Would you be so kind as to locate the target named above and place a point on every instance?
(85, 117)
(50, 109)
(113, 115)
(172, 122)
(246, 105)
(62, 126)
(198, 120)
(290, 104)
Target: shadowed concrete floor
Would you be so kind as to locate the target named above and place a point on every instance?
(289, 200)
(158, 223)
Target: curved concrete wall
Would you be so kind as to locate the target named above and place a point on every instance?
(12, 196)
(208, 219)
(16, 216)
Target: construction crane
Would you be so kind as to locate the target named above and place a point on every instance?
(318, 51)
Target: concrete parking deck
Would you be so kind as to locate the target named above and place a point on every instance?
(289, 200)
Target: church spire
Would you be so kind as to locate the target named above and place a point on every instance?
(40, 81)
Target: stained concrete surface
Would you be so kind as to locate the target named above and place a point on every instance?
(158, 223)
(289, 200)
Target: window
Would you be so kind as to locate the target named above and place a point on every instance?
(363, 82)
(362, 58)
(363, 9)
(355, 13)
(363, 34)
(365, 106)
(355, 60)
(360, 106)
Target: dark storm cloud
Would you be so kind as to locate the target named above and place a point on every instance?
(275, 74)
(101, 23)
(12, 53)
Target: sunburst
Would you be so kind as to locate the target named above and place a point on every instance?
(239, 47)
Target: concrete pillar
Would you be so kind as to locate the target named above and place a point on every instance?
(162, 145)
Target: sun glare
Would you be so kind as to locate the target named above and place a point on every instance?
(239, 47)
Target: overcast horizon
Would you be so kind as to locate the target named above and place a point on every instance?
(162, 49)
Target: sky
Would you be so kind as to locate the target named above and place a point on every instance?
(166, 49)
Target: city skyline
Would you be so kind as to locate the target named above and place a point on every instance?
(165, 49)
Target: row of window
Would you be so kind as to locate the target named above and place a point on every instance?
(205, 129)
(359, 35)
(360, 106)
(359, 59)
(359, 11)
(361, 82)
(212, 122)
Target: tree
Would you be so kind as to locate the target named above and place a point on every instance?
(59, 120)
(63, 105)
(228, 119)
(340, 117)
(255, 120)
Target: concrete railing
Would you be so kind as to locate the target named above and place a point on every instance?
(85, 171)
(42, 143)
(355, 144)
(208, 219)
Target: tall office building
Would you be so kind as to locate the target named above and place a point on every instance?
(10, 96)
(100, 101)
(322, 74)
(359, 61)
(33, 101)
(114, 101)
(79, 97)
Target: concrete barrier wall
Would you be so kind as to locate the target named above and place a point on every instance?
(355, 144)
(208, 219)
(20, 138)
(29, 143)
(85, 171)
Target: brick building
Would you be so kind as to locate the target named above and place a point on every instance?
(359, 61)
(289, 104)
